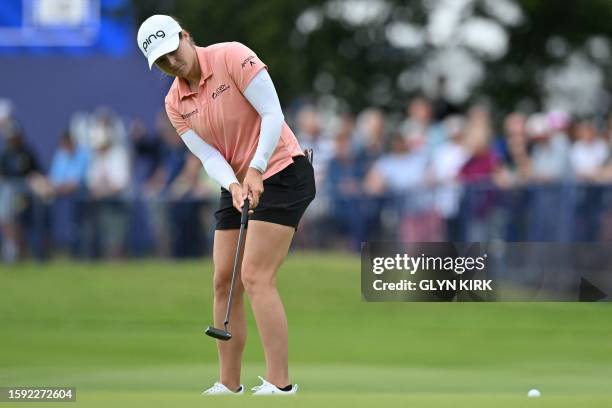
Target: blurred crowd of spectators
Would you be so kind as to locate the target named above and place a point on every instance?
(437, 173)
(111, 190)
(431, 173)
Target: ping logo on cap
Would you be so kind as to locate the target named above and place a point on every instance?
(147, 41)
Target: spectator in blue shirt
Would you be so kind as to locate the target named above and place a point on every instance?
(69, 166)
(67, 177)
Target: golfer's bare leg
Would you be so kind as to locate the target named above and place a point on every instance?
(265, 250)
(230, 352)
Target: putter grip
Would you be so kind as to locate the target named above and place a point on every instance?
(245, 212)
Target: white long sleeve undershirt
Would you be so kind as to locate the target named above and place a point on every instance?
(214, 163)
(261, 94)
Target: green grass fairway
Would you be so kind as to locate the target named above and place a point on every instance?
(130, 334)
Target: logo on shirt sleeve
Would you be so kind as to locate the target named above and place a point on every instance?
(248, 60)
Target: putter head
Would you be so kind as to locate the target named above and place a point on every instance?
(219, 334)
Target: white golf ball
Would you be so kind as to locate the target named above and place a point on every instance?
(533, 393)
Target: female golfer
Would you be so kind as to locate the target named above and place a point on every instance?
(224, 106)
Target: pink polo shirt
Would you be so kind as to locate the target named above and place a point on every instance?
(221, 115)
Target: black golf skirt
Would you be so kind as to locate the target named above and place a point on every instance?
(285, 198)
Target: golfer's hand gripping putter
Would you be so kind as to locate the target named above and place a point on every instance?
(224, 334)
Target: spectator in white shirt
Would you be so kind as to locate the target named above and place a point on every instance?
(588, 153)
(550, 152)
(446, 163)
(108, 181)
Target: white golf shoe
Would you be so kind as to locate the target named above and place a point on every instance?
(267, 388)
(220, 389)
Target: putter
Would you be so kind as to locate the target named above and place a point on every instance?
(224, 334)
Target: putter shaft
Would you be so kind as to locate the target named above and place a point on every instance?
(224, 334)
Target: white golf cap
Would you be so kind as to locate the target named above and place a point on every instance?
(158, 35)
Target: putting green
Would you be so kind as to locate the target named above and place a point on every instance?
(130, 334)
